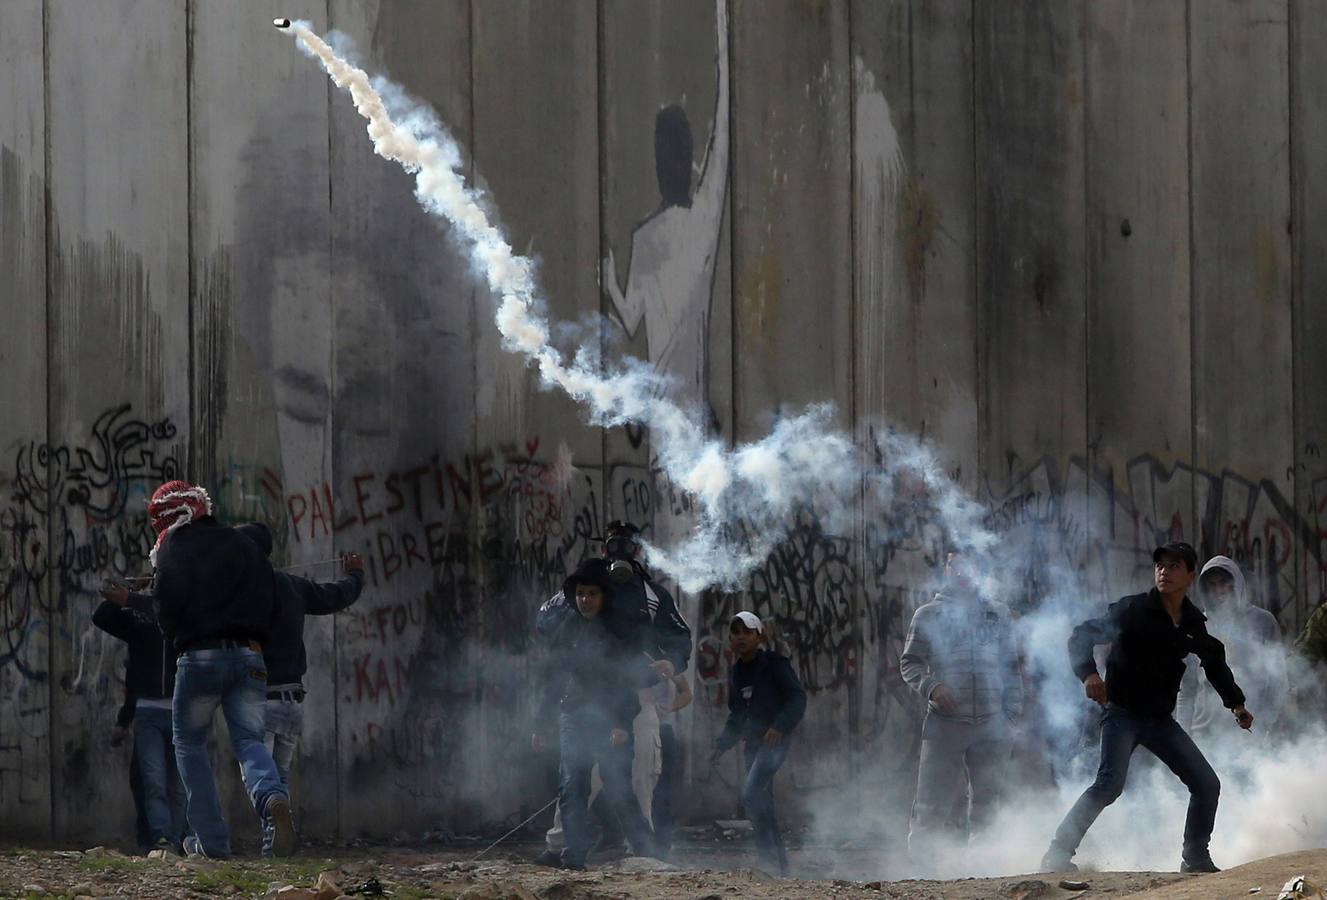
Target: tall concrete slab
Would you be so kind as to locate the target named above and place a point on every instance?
(665, 81)
(1031, 313)
(119, 353)
(793, 341)
(538, 478)
(403, 409)
(1308, 118)
(25, 686)
(916, 357)
(1243, 382)
(1138, 289)
(261, 315)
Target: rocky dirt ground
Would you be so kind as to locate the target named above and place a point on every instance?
(704, 874)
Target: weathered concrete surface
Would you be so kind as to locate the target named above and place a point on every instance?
(1242, 314)
(118, 307)
(912, 210)
(1308, 112)
(1139, 385)
(25, 748)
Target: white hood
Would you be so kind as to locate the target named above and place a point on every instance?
(1224, 562)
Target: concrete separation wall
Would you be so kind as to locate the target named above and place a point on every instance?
(1074, 244)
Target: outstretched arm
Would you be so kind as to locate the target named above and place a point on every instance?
(711, 189)
(631, 305)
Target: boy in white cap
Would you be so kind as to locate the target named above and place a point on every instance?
(765, 703)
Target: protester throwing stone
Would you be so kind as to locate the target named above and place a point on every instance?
(294, 597)
(1149, 635)
(212, 596)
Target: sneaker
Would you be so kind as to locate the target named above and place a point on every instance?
(1056, 862)
(1198, 867)
(550, 858)
(164, 848)
(283, 838)
(193, 849)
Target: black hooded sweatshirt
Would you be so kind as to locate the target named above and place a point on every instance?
(596, 666)
(150, 672)
(294, 598)
(212, 583)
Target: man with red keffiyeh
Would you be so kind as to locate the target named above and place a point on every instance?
(212, 596)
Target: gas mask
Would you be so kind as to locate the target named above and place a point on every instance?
(620, 551)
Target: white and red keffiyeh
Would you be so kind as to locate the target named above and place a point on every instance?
(174, 504)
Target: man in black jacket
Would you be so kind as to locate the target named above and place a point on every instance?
(149, 681)
(284, 653)
(638, 594)
(1149, 635)
(595, 667)
(212, 597)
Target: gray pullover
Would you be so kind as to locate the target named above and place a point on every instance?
(966, 644)
(1255, 650)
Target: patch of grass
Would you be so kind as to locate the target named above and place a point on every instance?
(231, 875)
(297, 868)
(113, 864)
(414, 892)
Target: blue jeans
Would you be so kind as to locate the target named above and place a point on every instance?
(758, 800)
(1121, 732)
(163, 792)
(235, 680)
(283, 723)
(584, 740)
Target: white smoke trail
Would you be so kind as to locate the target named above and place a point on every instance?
(745, 494)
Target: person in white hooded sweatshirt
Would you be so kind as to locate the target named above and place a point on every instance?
(1254, 645)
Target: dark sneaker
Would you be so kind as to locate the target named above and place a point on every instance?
(551, 858)
(283, 838)
(1198, 867)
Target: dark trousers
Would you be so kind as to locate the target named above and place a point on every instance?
(584, 740)
(142, 833)
(1121, 732)
(662, 807)
(758, 800)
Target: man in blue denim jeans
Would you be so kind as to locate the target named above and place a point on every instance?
(595, 668)
(149, 682)
(284, 653)
(765, 702)
(1150, 635)
(212, 595)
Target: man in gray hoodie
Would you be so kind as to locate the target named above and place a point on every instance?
(961, 657)
(1253, 642)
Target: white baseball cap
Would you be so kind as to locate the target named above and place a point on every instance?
(751, 621)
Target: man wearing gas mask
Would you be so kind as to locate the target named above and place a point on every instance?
(636, 597)
(671, 649)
